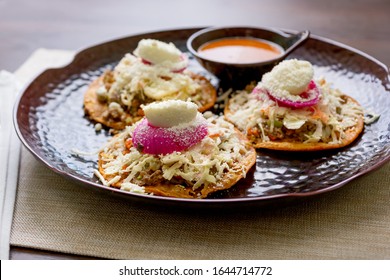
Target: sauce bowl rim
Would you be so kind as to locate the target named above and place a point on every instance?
(279, 32)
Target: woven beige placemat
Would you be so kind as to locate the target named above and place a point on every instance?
(52, 213)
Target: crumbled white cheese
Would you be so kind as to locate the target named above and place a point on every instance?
(170, 113)
(157, 52)
(289, 77)
(98, 126)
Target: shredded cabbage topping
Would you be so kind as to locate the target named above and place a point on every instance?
(261, 118)
(132, 77)
(202, 165)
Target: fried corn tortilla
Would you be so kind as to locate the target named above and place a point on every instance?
(332, 127)
(98, 110)
(218, 162)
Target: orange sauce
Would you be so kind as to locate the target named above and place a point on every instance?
(239, 50)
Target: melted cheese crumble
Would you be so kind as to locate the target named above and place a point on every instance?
(204, 164)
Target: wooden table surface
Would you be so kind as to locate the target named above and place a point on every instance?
(76, 24)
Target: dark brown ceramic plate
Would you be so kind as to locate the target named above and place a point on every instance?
(50, 121)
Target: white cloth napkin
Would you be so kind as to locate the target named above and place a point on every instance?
(10, 85)
(9, 157)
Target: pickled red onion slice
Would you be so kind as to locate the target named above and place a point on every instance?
(144, 61)
(184, 59)
(308, 98)
(159, 140)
